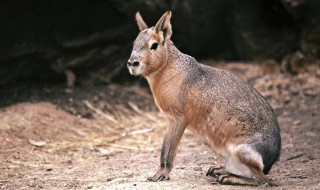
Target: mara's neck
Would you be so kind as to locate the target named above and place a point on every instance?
(174, 66)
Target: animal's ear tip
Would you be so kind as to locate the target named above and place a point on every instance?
(169, 13)
(141, 24)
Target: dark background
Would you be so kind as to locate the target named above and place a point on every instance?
(41, 39)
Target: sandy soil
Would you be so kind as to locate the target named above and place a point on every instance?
(109, 137)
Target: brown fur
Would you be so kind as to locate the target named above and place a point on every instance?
(231, 116)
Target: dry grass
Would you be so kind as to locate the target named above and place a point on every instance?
(125, 129)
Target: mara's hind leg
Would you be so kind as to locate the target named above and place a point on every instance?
(233, 179)
(216, 171)
(244, 167)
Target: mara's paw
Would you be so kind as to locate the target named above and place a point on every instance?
(231, 179)
(161, 175)
(216, 171)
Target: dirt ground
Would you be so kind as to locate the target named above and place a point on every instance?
(109, 136)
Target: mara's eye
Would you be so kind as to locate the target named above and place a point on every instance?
(154, 46)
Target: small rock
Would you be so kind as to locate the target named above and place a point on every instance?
(193, 186)
(287, 146)
(191, 145)
(296, 122)
(311, 134)
(197, 168)
(286, 113)
(287, 99)
(90, 186)
(311, 93)
(181, 167)
(105, 152)
(37, 143)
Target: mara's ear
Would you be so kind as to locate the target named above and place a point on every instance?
(141, 24)
(164, 26)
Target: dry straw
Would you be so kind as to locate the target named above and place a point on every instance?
(125, 129)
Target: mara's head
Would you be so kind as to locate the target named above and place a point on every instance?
(149, 52)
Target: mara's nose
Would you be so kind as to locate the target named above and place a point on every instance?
(133, 64)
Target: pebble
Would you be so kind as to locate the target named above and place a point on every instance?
(287, 146)
(197, 168)
(311, 134)
(296, 122)
(181, 167)
(287, 99)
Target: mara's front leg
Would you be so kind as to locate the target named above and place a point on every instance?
(168, 152)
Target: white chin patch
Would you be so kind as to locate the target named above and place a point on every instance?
(134, 71)
(130, 71)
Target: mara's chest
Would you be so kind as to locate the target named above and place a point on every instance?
(168, 96)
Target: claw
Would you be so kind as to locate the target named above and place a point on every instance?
(214, 171)
(210, 172)
(153, 178)
(221, 178)
(162, 177)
